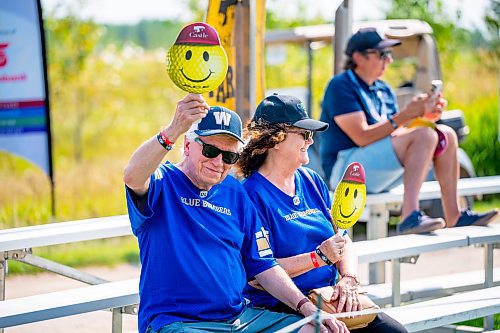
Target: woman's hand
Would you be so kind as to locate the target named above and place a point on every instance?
(333, 248)
(346, 291)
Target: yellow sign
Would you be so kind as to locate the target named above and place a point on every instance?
(221, 16)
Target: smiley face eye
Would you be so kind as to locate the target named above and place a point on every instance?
(206, 56)
(355, 193)
(346, 192)
(189, 54)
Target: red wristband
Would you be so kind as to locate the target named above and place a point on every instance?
(165, 139)
(314, 259)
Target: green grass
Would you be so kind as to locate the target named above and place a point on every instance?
(479, 322)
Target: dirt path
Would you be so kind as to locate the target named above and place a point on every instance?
(436, 263)
(26, 285)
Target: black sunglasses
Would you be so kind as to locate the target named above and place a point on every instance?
(307, 134)
(383, 54)
(210, 151)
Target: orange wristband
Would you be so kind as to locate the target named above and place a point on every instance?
(314, 259)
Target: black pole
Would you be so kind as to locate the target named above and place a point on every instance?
(47, 113)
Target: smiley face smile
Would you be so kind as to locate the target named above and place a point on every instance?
(196, 81)
(346, 216)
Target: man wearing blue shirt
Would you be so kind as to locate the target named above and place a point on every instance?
(200, 237)
(367, 126)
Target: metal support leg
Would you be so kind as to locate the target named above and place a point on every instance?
(117, 321)
(396, 282)
(60, 269)
(488, 281)
(3, 273)
(377, 228)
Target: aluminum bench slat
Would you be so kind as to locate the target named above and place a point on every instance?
(404, 246)
(64, 232)
(447, 310)
(24, 310)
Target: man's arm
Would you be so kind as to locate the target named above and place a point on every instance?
(149, 155)
(278, 283)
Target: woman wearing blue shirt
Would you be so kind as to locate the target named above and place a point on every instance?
(293, 201)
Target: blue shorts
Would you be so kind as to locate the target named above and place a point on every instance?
(251, 320)
(383, 170)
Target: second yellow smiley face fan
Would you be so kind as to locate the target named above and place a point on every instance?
(349, 197)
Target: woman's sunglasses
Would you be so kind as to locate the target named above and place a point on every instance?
(210, 151)
(308, 135)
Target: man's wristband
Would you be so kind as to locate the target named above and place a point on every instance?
(168, 145)
(301, 302)
(323, 257)
(391, 120)
(314, 259)
(165, 138)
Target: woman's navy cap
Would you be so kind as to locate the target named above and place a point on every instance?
(284, 109)
(368, 39)
(220, 120)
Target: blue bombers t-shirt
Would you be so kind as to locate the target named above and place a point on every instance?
(348, 93)
(296, 224)
(197, 249)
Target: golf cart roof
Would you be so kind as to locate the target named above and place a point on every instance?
(401, 29)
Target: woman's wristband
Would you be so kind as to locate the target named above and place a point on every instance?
(352, 276)
(324, 257)
(314, 259)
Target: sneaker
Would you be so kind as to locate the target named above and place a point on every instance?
(418, 223)
(468, 217)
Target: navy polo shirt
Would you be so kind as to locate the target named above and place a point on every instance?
(348, 93)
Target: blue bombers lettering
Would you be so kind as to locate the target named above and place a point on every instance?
(294, 215)
(197, 202)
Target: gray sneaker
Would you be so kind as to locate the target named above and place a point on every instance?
(418, 223)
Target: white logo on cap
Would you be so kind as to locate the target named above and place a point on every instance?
(198, 28)
(301, 106)
(355, 168)
(222, 117)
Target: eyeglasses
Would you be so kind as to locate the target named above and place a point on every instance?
(210, 151)
(308, 135)
(383, 54)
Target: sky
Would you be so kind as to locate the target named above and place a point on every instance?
(132, 11)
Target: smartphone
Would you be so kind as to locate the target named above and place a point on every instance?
(436, 88)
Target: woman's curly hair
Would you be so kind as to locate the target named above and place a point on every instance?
(261, 137)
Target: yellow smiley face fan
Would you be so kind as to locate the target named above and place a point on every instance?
(197, 63)
(349, 198)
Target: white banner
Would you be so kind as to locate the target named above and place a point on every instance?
(24, 113)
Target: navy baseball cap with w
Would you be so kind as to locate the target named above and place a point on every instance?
(219, 120)
(367, 39)
(284, 109)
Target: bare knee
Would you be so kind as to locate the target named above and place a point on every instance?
(451, 136)
(425, 136)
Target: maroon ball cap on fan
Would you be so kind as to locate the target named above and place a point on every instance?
(198, 33)
(354, 173)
